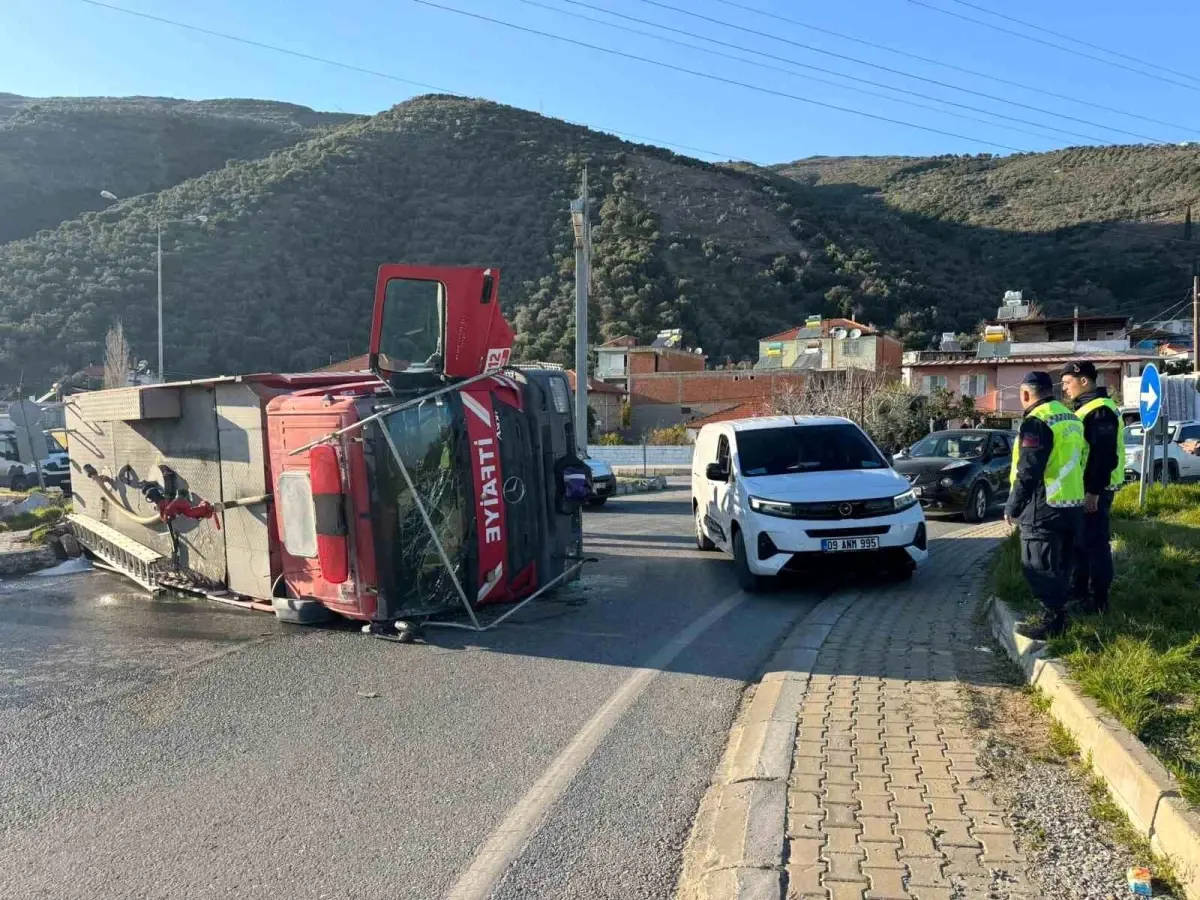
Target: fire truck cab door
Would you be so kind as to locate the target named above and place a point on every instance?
(440, 319)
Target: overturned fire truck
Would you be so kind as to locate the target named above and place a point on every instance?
(436, 482)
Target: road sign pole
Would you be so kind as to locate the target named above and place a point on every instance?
(1150, 410)
(1165, 432)
(1147, 457)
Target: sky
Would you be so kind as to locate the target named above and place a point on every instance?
(759, 106)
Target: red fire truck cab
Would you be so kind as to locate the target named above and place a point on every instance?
(437, 480)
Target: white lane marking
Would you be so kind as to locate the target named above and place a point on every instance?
(512, 835)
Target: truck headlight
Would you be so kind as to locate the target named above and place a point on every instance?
(776, 508)
(904, 501)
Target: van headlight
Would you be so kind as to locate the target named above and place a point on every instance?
(776, 508)
(904, 501)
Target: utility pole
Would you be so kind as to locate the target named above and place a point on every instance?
(1195, 322)
(582, 227)
(162, 378)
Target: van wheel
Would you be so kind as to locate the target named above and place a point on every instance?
(16, 482)
(747, 580)
(702, 540)
(977, 504)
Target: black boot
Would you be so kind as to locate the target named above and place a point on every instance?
(1096, 605)
(1043, 626)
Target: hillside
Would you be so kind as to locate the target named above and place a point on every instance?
(58, 153)
(280, 275)
(1027, 191)
(1097, 226)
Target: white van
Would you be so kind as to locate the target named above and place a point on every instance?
(778, 491)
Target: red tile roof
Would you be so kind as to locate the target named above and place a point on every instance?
(826, 324)
(748, 410)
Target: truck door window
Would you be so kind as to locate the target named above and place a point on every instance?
(297, 514)
(723, 453)
(9, 449)
(412, 325)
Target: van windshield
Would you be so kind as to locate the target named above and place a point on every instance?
(806, 448)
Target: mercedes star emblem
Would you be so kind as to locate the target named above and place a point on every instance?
(514, 489)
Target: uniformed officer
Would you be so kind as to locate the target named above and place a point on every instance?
(1046, 499)
(1102, 477)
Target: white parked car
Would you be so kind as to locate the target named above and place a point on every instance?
(776, 492)
(1182, 461)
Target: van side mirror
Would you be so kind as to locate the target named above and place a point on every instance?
(714, 472)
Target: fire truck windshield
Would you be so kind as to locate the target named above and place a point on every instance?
(412, 325)
(427, 439)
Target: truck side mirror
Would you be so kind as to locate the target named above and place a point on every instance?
(714, 472)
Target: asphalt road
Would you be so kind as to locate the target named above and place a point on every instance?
(180, 749)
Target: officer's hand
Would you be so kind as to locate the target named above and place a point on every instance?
(1091, 502)
(1007, 520)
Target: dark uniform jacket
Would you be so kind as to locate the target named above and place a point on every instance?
(1027, 499)
(1100, 429)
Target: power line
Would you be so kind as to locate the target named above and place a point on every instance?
(900, 72)
(1165, 313)
(1067, 37)
(341, 65)
(338, 64)
(793, 73)
(1029, 37)
(271, 47)
(709, 76)
(952, 67)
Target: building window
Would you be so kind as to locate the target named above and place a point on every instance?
(972, 385)
(852, 347)
(931, 383)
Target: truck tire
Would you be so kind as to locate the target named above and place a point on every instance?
(16, 481)
(300, 612)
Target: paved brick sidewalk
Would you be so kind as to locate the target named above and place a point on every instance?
(880, 798)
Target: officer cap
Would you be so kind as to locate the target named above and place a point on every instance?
(1040, 381)
(1080, 369)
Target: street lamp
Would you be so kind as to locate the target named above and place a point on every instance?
(583, 246)
(109, 195)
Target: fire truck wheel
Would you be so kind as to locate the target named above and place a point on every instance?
(300, 612)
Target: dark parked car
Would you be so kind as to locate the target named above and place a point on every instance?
(604, 482)
(959, 471)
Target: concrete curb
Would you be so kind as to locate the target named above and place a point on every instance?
(30, 558)
(653, 483)
(1139, 783)
(738, 845)
(640, 470)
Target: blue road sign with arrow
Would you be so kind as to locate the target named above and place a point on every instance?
(1150, 397)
